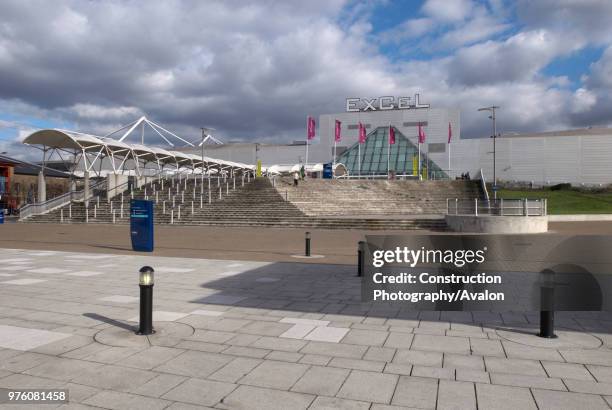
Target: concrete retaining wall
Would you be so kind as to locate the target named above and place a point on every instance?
(580, 217)
(497, 224)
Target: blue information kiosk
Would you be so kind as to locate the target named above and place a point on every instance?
(141, 225)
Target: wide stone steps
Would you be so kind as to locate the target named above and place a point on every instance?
(260, 204)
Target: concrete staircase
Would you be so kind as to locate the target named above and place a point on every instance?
(325, 198)
(259, 203)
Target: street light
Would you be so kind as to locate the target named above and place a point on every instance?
(492, 109)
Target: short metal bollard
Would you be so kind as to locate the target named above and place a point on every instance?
(547, 306)
(307, 250)
(360, 257)
(145, 282)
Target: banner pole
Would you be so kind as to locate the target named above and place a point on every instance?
(388, 149)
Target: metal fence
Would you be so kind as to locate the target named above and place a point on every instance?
(58, 201)
(498, 207)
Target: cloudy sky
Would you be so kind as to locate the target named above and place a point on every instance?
(254, 70)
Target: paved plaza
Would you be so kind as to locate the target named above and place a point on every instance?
(235, 334)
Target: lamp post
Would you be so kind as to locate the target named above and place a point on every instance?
(492, 109)
(145, 282)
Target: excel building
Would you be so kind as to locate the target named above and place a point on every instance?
(404, 114)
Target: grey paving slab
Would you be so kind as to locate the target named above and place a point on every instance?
(368, 386)
(433, 372)
(418, 358)
(201, 392)
(322, 381)
(504, 397)
(599, 356)
(469, 375)
(365, 337)
(257, 398)
(159, 385)
(288, 345)
(516, 366)
(194, 364)
(274, 374)
(519, 351)
(483, 347)
(329, 403)
(151, 357)
(399, 340)
(456, 395)
(601, 373)
(113, 378)
(401, 369)
(540, 382)
(567, 370)
(235, 370)
(284, 356)
(327, 334)
(444, 344)
(334, 349)
(381, 354)
(120, 401)
(558, 400)
(357, 364)
(315, 359)
(457, 361)
(585, 386)
(416, 392)
(62, 369)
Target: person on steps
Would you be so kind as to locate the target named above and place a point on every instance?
(296, 177)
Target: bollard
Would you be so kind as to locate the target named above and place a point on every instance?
(179, 213)
(121, 210)
(86, 215)
(201, 201)
(234, 182)
(171, 216)
(98, 200)
(61, 215)
(70, 211)
(95, 211)
(182, 197)
(227, 188)
(219, 191)
(360, 257)
(162, 184)
(191, 208)
(113, 217)
(547, 305)
(307, 250)
(145, 282)
(173, 202)
(164, 207)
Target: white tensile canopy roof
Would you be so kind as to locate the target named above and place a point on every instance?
(92, 148)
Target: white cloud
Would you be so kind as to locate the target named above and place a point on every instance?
(448, 10)
(254, 70)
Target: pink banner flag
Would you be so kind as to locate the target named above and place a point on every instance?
(362, 133)
(391, 135)
(310, 128)
(450, 133)
(421, 134)
(338, 135)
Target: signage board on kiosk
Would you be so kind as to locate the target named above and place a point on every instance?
(141, 225)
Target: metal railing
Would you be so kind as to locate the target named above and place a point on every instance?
(499, 207)
(59, 201)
